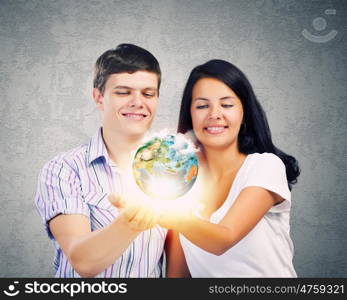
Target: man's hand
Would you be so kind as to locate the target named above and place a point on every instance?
(138, 215)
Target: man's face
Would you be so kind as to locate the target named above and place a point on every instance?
(129, 103)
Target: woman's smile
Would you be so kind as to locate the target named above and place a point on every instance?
(215, 129)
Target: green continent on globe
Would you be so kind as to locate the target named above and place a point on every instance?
(165, 167)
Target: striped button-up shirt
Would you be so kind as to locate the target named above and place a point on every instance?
(79, 182)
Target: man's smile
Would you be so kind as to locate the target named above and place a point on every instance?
(134, 116)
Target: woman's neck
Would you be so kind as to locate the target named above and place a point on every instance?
(223, 162)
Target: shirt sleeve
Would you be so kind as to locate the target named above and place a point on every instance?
(269, 172)
(59, 192)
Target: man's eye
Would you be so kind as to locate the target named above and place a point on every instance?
(202, 106)
(148, 95)
(122, 93)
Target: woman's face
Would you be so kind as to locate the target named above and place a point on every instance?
(217, 114)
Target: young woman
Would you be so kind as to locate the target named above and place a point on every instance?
(243, 228)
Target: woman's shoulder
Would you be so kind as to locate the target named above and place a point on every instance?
(264, 163)
(264, 158)
(267, 170)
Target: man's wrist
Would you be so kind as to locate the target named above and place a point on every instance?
(125, 225)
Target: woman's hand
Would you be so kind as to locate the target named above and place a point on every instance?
(138, 215)
(174, 216)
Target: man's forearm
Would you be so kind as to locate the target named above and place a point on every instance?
(94, 252)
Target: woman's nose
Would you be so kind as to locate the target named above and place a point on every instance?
(215, 113)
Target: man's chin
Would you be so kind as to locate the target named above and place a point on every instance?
(128, 131)
(135, 133)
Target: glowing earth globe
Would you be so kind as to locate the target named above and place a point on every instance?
(166, 167)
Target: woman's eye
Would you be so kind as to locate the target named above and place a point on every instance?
(202, 106)
(122, 93)
(227, 105)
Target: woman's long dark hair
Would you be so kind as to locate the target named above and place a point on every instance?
(254, 135)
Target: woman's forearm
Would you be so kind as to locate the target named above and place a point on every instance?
(213, 238)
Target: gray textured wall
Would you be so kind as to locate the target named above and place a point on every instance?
(48, 49)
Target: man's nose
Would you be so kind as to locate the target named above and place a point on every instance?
(136, 99)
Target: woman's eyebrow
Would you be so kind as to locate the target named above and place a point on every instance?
(222, 98)
(201, 98)
(227, 97)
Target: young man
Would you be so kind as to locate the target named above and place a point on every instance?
(93, 238)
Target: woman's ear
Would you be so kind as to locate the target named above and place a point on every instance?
(98, 99)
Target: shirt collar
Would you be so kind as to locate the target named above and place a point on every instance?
(97, 148)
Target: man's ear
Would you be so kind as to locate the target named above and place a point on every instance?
(98, 99)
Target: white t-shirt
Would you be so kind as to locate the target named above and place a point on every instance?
(267, 250)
